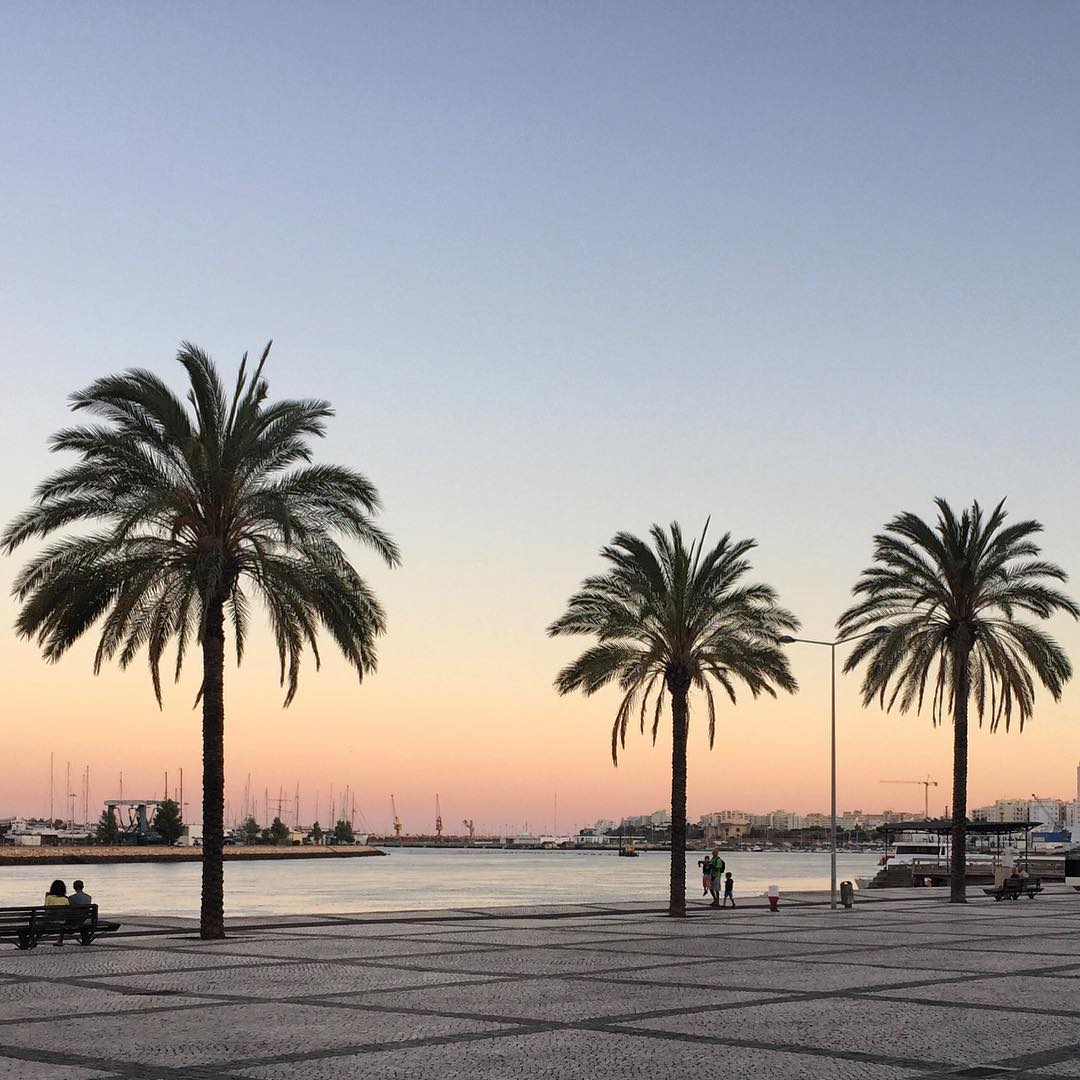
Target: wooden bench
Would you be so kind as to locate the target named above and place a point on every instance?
(26, 926)
(1014, 888)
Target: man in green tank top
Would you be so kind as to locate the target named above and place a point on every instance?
(716, 875)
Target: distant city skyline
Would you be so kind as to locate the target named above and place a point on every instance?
(560, 274)
(317, 807)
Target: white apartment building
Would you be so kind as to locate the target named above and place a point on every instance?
(1005, 810)
(777, 820)
(1049, 813)
(657, 819)
(1072, 810)
(725, 817)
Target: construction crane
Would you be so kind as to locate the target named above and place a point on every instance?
(397, 821)
(438, 818)
(467, 822)
(927, 784)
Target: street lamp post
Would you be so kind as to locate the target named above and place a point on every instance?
(831, 646)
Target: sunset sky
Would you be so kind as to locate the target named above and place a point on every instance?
(562, 269)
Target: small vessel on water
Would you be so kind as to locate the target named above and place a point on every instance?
(629, 850)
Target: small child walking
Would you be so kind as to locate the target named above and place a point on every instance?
(729, 889)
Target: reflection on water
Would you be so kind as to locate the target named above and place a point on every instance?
(420, 878)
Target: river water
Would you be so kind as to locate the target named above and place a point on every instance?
(421, 878)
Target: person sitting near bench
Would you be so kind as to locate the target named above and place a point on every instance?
(79, 898)
(57, 897)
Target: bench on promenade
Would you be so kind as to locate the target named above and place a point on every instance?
(28, 925)
(1014, 888)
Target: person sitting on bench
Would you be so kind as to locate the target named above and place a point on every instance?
(57, 897)
(79, 898)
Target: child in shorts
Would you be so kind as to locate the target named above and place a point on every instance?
(729, 889)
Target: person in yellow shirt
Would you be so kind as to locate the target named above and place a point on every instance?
(57, 897)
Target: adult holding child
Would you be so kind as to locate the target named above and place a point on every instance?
(716, 875)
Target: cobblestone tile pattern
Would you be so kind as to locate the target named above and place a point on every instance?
(903, 987)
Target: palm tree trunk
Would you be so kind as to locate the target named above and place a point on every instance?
(212, 914)
(679, 688)
(958, 866)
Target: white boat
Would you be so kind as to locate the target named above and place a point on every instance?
(917, 847)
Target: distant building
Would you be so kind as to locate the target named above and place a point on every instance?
(658, 819)
(722, 817)
(784, 821)
(722, 831)
(1049, 813)
(1072, 810)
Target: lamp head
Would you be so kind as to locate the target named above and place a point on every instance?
(785, 639)
(881, 630)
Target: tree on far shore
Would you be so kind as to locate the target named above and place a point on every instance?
(195, 506)
(669, 619)
(279, 831)
(168, 823)
(343, 832)
(952, 595)
(316, 833)
(250, 829)
(107, 830)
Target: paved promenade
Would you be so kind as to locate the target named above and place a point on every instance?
(895, 988)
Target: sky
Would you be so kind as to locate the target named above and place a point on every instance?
(562, 270)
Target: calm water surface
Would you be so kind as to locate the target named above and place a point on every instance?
(411, 878)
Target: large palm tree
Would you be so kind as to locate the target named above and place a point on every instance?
(670, 618)
(953, 594)
(195, 507)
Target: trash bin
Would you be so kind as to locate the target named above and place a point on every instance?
(847, 894)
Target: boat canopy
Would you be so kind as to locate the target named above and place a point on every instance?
(943, 826)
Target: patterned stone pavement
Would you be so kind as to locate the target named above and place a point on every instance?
(904, 985)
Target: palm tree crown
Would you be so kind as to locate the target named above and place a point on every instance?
(669, 618)
(951, 594)
(670, 612)
(194, 505)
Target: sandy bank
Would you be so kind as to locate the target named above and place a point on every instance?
(45, 856)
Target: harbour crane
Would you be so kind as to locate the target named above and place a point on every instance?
(438, 818)
(397, 820)
(927, 784)
(467, 822)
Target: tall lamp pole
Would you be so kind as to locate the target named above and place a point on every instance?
(831, 646)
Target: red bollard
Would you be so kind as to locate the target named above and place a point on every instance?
(774, 898)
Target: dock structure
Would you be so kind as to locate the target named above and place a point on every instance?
(992, 845)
